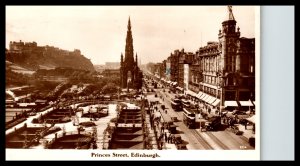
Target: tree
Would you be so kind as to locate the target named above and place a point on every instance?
(68, 95)
(139, 81)
(110, 88)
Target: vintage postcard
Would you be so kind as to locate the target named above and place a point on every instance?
(132, 83)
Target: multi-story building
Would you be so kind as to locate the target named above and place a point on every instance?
(164, 68)
(174, 60)
(222, 72)
(158, 70)
(228, 67)
(185, 59)
(194, 74)
(168, 69)
(209, 65)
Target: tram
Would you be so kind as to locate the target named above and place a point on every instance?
(189, 117)
(185, 103)
(176, 104)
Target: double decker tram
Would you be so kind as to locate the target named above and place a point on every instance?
(189, 117)
(185, 103)
(176, 104)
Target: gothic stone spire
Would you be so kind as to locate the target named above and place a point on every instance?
(129, 46)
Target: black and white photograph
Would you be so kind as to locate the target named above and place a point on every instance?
(132, 82)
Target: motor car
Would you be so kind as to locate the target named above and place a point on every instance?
(237, 112)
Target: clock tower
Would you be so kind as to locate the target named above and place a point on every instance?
(228, 38)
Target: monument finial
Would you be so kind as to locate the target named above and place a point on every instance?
(231, 17)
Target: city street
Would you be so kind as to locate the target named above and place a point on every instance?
(196, 97)
(195, 138)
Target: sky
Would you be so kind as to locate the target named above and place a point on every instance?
(100, 31)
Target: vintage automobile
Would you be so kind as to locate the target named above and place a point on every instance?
(212, 124)
(179, 143)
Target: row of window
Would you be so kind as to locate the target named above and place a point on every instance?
(209, 63)
(210, 91)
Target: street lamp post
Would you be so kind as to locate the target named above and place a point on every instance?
(221, 93)
(221, 98)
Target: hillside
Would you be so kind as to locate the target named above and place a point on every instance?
(17, 68)
(16, 75)
(33, 57)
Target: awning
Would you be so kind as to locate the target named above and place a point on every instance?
(211, 100)
(195, 94)
(189, 92)
(251, 119)
(230, 104)
(199, 95)
(216, 102)
(208, 98)
(203, 96)
(246, 103)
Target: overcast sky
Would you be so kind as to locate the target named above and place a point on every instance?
(100, 31)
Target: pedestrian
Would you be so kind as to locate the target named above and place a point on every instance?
(166, 137)
(161, 136)
(162, 129)
(246, 125)
(173, 139)
(162, 144)
(170, 138)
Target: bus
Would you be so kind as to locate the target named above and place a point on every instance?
(189, 118)
(176, 104)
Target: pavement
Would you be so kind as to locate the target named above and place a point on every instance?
(151, 135)
(247, 133)
(166, 145)
(166, 116)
